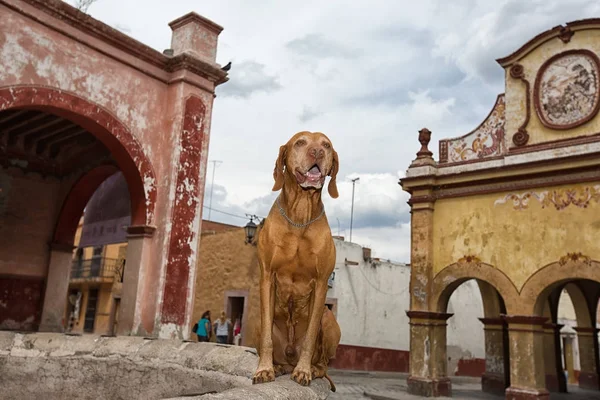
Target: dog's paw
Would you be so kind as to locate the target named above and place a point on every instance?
(263, 376)
(302, 376)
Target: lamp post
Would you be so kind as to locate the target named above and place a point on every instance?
(352, 207)
(250, 228)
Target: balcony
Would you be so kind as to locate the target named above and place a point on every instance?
(98, 270)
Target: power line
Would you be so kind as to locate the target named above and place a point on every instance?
(227, 213)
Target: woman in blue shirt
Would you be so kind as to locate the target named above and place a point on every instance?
(204, 327)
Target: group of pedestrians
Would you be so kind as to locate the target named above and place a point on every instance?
(221, 328)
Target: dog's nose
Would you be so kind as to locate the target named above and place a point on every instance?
(316, 152)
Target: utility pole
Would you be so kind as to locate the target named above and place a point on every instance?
(352, 208)
(212, 185)
(338, 220)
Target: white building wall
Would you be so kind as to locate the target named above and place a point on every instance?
(373, 297)
(464, 335)
(372, 300)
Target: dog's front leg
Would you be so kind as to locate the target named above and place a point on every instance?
(302, 373)
(265, 372)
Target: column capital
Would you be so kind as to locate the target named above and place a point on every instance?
(492, 321)
(525, 319)
(423, 317)
(585, 331)
(140, 231)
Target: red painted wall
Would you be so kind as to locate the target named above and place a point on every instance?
(470, 367)
(360, 358)
(20, 303)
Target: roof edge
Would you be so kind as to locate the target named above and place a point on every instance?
(563, 32)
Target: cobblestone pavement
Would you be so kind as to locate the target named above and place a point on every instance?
(359, 385)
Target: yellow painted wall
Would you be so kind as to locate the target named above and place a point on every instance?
(516, 241)
(515, 91)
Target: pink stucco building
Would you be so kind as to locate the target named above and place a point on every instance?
(80, 101)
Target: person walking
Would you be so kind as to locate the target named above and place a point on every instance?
(204, 328)
(222, 326)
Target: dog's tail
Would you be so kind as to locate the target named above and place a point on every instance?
(331, 384)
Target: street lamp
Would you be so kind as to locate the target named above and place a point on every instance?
(352, 208)
(250, 229)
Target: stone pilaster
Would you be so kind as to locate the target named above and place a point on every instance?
(428, 375)
(527, 373)
(493, 379)
(57, 288)
(553, 369)
(588, 374)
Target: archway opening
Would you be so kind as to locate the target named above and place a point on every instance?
(570, 355)
(477, 335)
(51, 162)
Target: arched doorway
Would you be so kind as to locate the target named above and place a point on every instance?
(56, 149)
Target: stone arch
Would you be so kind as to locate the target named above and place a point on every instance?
(583, 312)
(76, 200)
(539, 285)
(494, 282)
(117, 138)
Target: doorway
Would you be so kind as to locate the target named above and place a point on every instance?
(90, 311)
(235, 306)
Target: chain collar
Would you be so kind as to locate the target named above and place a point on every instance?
(295, 224)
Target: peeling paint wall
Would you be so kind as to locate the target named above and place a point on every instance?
(518, 234)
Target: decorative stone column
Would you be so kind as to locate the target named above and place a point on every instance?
(493, 379)
(588, 374)
(419, 183)
(57, 288)
(553, 369)
(428, 365)
(527, 373)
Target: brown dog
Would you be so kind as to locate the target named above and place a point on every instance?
(298, 333)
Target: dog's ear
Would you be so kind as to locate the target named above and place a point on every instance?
(279, 168)
(335, 166)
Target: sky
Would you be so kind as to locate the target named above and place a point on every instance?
(368, 74)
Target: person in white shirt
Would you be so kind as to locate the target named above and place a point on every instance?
(222, 326)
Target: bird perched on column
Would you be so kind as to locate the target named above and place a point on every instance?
(227, 67)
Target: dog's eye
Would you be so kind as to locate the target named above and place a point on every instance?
(326, 145)
(300, 142)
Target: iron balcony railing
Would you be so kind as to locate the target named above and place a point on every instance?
(98, 268)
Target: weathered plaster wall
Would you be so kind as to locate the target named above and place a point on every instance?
(129, 84)
(226, 263)
(515, 91)
(372, 299)
(372, 302)
(518, 232)
(28, 212)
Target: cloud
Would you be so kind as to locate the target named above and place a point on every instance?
(247, 78)
(317, 46)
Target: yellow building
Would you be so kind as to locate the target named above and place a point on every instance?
(515, 204)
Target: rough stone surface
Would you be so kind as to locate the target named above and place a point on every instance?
(58, 366)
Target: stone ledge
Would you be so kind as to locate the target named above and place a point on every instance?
(282, 389)
(58, 366)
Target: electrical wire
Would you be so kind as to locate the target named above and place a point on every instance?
(228, 213)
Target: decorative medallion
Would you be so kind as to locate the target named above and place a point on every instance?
(567, 89)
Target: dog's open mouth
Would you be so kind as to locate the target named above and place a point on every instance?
(311, 178)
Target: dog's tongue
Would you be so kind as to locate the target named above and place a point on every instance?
(314, 171)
